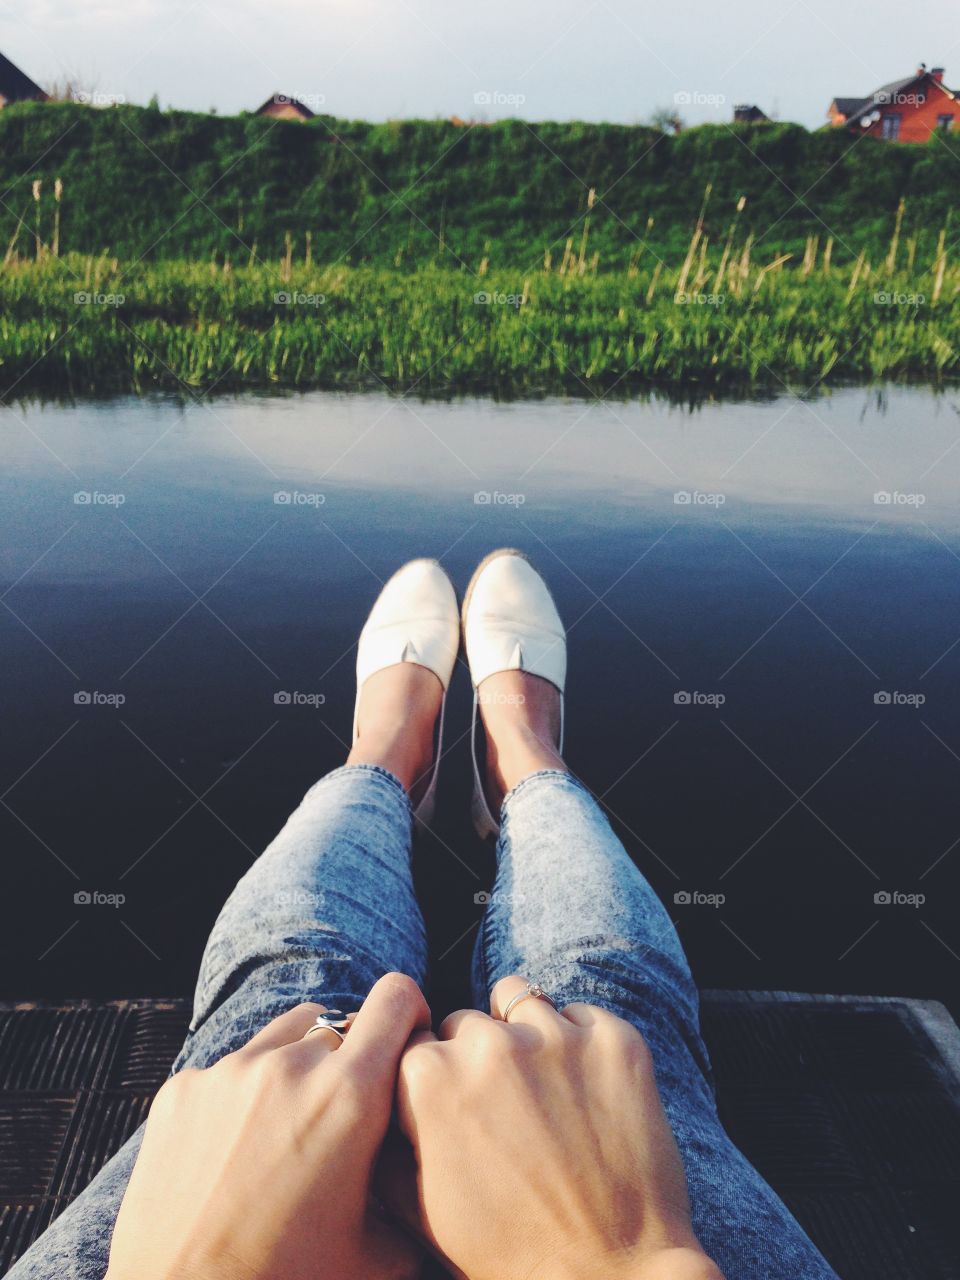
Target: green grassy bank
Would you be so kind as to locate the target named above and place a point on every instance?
(174, 185)
(80, 324)
(143, 249)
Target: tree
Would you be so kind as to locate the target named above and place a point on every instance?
(667, 120)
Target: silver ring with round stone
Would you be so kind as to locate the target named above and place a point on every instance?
(330, 1020)
(532, 991)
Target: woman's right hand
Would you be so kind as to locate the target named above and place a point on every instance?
(542, 1149)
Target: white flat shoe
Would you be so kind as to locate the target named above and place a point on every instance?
(510, 623)
(415, 619)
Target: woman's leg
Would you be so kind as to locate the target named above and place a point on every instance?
(321, 915)
(571, 911)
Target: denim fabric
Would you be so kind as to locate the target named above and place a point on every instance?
(330, 907)
(570, 910)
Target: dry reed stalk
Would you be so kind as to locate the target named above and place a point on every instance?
(745, 260)
(11, 253)
(828, 256)
(654, 279)
(718, 279)
(37, 188)
(895, 240)
(775, 265)
(591, 197)
(694, 243)
(58, 196)
(941, 266)
(700, 279)
(286, 264)
(855, 278)
(728, 247)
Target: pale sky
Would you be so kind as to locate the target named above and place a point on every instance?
(572, 59)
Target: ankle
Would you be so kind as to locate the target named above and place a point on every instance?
(396, 724)
(396, 748)
(515, 752)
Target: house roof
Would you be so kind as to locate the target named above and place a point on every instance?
(14, 85)
(748, 111)
(285, 100)
(887, 93)
(848, 106)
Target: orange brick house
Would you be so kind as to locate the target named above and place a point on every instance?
(909, 110)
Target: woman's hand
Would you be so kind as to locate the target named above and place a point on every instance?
(260, 1166)
(542, 1149)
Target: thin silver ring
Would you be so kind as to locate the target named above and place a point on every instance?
(330, 1020)
(532, 991)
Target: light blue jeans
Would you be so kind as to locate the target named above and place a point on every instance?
(330, 907)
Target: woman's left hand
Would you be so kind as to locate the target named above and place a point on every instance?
(261, 1166)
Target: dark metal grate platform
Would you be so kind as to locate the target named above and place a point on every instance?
(849, 1106)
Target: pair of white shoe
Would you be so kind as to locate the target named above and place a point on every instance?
(510, 623)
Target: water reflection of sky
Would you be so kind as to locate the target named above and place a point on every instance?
(825, 458)
(798, 598)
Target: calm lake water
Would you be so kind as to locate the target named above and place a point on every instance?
(763, 682)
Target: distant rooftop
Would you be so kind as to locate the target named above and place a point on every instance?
(15, 86)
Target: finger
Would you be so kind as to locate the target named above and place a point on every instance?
(389, 1250)
(585, 1015)
(532, 1010)
(395, 1186)
(327, 1039)
(420, 1037)
(391, 1013)
(455, 1022)
(285, 1029)
(413, 1059)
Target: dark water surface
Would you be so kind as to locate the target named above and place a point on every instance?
(798, 600)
